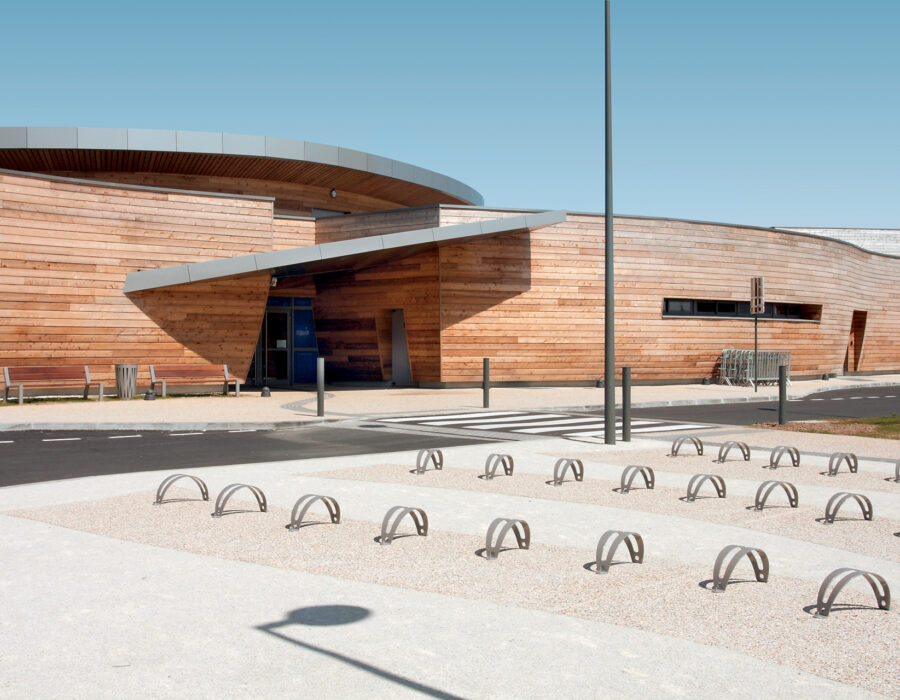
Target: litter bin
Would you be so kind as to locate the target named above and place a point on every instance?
(126, 381)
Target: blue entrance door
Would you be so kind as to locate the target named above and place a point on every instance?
(305, 346)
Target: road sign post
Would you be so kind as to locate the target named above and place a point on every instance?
(757, 306)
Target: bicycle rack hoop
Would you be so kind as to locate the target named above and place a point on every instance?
(779, 452)
(230, 490)
(733, 553)
(630, 472)
(562, 465)
(836, 459)
(169, 480)
(305, 502)
(879, 587)
(765, 490)
(518, 527)
(726, 448)
(435, 457)
(496, 461)
(676, 445)
(837, 500)
(699, 479)
(392, 520)
(632, 540)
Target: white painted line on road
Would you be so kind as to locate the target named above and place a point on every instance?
(873, 397)
(6, 442)
(511, 420)
(840, 398)
(248, 430)
(180, 434)
(59, 439)
(853, 398)
(891, 396)
(532, 422)
(817, 399)
(123, 437)
(449, 417)
(591, 426)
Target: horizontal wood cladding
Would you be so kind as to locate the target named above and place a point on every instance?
(351, 310)
(342, 228)
(533, 303)
(299, 185)
(293, 233)
(65, 249)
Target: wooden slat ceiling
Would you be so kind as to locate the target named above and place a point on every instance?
(70, 162)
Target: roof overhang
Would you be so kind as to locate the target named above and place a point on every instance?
(353, 254)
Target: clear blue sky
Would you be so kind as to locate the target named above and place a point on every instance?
(774, 112)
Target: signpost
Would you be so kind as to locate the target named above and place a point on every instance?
(757, 306)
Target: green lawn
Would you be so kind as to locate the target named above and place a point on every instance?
(887, 427)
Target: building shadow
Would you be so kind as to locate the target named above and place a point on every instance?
(331, 615)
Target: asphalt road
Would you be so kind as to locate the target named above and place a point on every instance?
(846, 403)
(32, 456)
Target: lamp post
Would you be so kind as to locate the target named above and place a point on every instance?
(609, 342)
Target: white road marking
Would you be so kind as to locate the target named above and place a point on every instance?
(649, 429)
(840, 398)
(180, 434)
(536, 422)
(873, 397)
(123, 437)
(592, 426)
(511, 420)
(248, 430)
(853, 398)
(817, 399)
(891, 396)
(59, 439)
(449, 417)
(6, 442)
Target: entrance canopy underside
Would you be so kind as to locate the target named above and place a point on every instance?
(351, 254)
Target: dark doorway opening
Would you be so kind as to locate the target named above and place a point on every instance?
(853, 357)
(287, 348)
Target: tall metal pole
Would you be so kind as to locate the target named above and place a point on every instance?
(755, 353)
(609, 342)
(486, 382)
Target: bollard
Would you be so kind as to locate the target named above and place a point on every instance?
(320, 386)
(626, 404)
(782, 394)
(486, 383)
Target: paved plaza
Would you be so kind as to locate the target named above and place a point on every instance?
(108, 595)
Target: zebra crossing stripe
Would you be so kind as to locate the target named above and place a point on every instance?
(413, 419)
(592, 426)
(536, 422)
(500, 421)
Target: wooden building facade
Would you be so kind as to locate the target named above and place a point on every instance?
(265, 261)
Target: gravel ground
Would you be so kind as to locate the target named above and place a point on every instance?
(811, 472)
(850, 532)
(765, 621)
(811, 442)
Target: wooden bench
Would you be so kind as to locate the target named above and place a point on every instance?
(48, 376)
(193, 374)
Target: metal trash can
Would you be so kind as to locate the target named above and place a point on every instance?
(126, 381)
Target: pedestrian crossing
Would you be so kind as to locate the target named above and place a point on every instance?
(535, 423)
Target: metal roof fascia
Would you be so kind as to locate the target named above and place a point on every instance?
(291, 257)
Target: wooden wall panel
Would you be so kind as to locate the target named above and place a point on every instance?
(553, 330)
(293, 233)
(350, 315)
(66, 248)
(353, 309)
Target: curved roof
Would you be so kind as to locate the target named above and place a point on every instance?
(73, 149)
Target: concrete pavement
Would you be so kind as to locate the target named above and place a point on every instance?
(291, 408)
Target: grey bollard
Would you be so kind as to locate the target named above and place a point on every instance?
(320, 386)
(782, 394)
(486, 383)
(626, 404)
